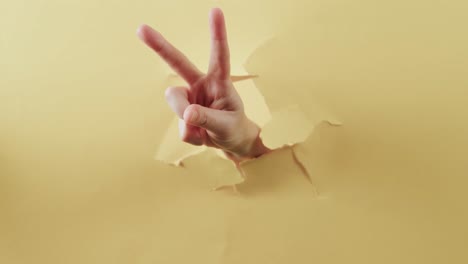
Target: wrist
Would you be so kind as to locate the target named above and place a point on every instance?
(252, 146)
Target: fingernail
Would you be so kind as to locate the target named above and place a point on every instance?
(194, 116)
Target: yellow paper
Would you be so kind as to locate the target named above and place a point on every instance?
(82, 112)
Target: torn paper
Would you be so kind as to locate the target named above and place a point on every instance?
(280, 129)
(282, 126)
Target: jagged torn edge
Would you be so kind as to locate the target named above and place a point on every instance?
(280, 118)
(288, 119)
(194, 150)
(295, 158)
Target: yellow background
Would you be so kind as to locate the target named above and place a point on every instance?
(82, 112)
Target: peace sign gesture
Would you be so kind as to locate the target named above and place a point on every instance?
(211, 111)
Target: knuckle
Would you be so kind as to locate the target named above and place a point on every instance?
(162, 48)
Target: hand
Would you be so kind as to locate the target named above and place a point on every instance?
(211, 111)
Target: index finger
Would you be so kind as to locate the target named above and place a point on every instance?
(170, 54)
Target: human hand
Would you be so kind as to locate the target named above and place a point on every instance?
(211, 111)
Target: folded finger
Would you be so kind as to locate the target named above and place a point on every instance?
(177, 98)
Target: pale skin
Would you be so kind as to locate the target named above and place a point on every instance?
(210, 110)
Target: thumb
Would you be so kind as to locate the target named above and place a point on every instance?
(217, 121)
